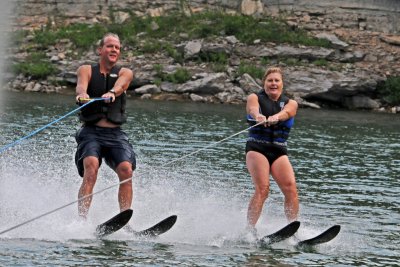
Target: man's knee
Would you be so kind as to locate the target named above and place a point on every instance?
(91, 168)
(124, 170)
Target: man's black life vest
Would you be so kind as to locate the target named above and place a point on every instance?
(100, 84)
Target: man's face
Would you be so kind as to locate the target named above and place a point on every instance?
(110, 51)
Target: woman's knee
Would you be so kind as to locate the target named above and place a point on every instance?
(262, 192)
(290, 190)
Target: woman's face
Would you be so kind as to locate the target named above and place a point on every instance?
(273, 85)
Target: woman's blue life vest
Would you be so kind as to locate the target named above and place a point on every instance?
(100, 84)
(274, 134)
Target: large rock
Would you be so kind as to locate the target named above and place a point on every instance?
(251, 7)
(284, 51)
(211, 84)
(360, 102)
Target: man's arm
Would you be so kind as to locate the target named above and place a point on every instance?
(83, 76)
(121, 85)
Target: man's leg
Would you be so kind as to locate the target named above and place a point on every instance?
(91, 167)
(125, 172)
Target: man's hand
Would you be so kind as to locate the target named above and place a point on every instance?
(82, 98)
(109, 97)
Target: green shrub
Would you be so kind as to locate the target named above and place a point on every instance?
(216, 57)
(45, 38)
(321, 62)
(151, 46)
(218, 67)
(172, 52)
(252, 70)
(265, 61)
(157, 81)
(390, 90)
(199, 25)
(181, 75)
(291, 61)
(36, 66)
(84, 36)
(170, 28)
(210, 24)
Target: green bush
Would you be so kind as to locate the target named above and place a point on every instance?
(211, 24)
(45, 38)
(170, 29)
(172, 52)
(216, 57)
(320, 62)
(252, 70)
(199, 25)
(218, 60)
(83, 36)
(390, 90)
(151, 46)
(290, 61)
(181, 75)
(36, 66)
(218, 67)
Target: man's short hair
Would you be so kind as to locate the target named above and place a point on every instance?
(109, 34)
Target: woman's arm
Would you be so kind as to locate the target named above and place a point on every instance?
(288, 111)
(253, 108)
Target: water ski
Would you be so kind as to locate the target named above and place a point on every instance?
(155, 230)
(282, 234)
(114, 224)
(324, 237)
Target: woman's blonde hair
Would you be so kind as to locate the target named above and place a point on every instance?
(271, 70)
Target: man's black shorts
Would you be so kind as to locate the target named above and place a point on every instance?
(112, 144)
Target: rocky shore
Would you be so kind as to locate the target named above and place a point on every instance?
(358, 61)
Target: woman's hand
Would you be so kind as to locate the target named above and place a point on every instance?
(272, 120)
(261, 118)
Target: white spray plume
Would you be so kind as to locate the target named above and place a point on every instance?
(5, 23)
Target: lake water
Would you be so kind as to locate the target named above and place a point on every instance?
(347, 166)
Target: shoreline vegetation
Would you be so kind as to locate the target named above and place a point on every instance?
(162, 37)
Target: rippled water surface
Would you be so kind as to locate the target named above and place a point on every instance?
(347, 167)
